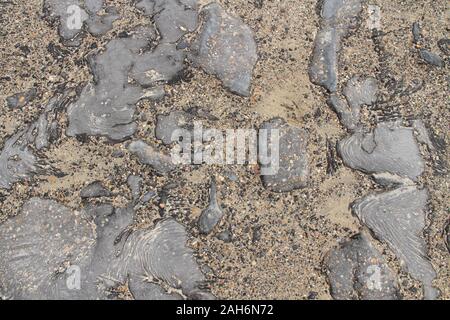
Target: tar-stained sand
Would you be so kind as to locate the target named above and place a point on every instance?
(279, 240)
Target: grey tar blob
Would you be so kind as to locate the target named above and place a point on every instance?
(388, 148)
(225, 48)
(173, 18)
(49, 251)
(150, 156)
(107, 107)
(94, 190)
(398, 218)
(293, 169)
(74, 14)
(167, 124)
(356, 270)
(212, 215)
(338, 17)
(358, 92)
(431, 58)
(21, 99)
(18, 158)
(38, 245)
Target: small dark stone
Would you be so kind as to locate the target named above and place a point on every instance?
(135, 182)
(256, 234)
(94, 190)
(444, 45)
(431, 58)
(422, 133)
(25, 49)
(123, 34)
(258, 3)
(312, 295)
(148, 196)
(56, 51)
(82, 137)
(118, 154)
(447, 236)
(21, 99)
(225, 236)
(416, 32)
(332, 164)
(211, 216)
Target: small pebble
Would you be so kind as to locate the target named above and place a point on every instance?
(431, 58)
